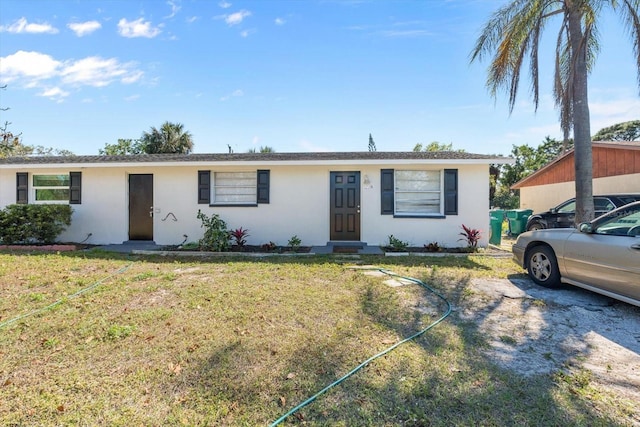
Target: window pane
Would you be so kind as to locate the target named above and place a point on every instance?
(417, 192)
(51, 180)
(52, 194)
(235, 187)
(418, 181)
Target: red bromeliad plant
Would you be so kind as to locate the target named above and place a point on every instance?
(239, 235)
(471, 235)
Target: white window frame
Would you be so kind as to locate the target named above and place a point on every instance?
(397, 199)
(217, 184)
(35, 188)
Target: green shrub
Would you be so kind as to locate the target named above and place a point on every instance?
(33, 223)
(216, 237)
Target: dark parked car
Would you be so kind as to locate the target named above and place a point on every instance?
(602, 255)
(564, 215)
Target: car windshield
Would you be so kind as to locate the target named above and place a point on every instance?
(622, 223)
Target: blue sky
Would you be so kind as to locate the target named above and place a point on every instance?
(298, 76)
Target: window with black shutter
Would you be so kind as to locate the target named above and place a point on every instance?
(263, 186)
(386, 192)
(75, 188)
(451, 191)
(22, 187)
(204, 187)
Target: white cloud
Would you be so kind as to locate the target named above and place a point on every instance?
(309, 146)
(98, 72)
(246, 33)
(235, 93)
(137, 28)
(610, 112)
(22, 26)
(192, 19)
(31, 66)
(279, 21)
(132, 98)
(55, 94)
(224, 5)
(175, 8)
(237, 18)
(84, 28)
(406, 33)
(35, 70)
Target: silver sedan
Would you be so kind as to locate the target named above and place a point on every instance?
(602, 255)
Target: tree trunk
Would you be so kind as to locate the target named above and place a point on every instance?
(581, 122)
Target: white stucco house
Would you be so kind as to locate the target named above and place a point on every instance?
(419, 197)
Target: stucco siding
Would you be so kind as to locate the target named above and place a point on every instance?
(299, 205)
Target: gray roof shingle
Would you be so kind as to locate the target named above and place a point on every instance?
(250, 157)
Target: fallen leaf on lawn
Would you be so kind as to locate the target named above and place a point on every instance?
(60, 408)
(291, 376)
(283, 401)
(175, 369)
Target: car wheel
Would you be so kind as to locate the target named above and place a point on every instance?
(542, 266)
(535, 226)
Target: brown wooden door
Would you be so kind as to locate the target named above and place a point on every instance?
(141, 207)
(345, 206)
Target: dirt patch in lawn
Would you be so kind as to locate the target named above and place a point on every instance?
(534, 330)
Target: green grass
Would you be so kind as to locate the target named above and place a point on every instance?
(235, 342)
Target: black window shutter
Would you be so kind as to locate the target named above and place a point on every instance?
(451, 191)
(75, 188)
(263, 186)
(22, 187)
(386, 192)
(204, 187)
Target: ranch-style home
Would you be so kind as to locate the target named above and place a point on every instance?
(418, 197)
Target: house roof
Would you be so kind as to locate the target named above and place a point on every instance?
(363, 157)
(563, 165)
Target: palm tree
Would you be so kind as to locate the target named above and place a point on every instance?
(170, 138)
(513, 34)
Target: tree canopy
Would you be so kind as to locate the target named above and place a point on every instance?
(626, 131)
(171, 138)
(436, 146)
(372, 144)
(262, 149)
(512, 37)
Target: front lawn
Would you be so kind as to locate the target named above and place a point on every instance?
(161, 341)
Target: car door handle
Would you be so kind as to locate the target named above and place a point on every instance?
(635, 246)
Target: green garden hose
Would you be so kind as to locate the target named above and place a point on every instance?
(382, 353)
(60, 301)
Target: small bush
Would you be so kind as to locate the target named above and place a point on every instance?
(471, 235)
(294, 243)
(216, 236)
(397, 245)
(33, 223)
(239, 235)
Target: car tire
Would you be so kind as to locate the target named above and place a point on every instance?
(535, 226)
(542, 266)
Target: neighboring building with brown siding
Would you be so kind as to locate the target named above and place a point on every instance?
(616, 170)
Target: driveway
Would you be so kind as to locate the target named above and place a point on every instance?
(534, 330)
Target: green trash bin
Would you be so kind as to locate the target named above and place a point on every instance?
(496, 217)
(518, 220)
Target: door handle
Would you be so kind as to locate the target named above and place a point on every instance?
(636, 246)
(151, 211)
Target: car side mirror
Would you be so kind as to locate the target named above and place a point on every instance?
(585, 227)
(553, 210)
